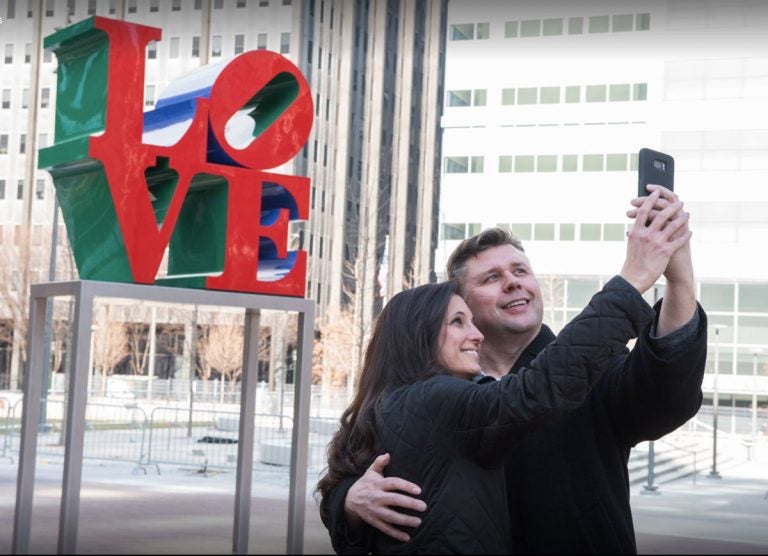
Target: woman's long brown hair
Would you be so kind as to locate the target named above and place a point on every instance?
(401, 351)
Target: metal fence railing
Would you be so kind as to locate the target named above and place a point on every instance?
(201, 438)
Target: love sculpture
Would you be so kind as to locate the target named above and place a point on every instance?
(189, 176)
(182, 195)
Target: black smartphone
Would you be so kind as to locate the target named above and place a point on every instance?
(654, 167)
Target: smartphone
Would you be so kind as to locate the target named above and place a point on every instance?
(654, 167)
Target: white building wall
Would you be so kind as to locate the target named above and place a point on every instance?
(704, 67)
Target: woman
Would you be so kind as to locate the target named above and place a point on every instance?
(420, 400)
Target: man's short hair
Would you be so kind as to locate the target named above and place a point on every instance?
(473, 246)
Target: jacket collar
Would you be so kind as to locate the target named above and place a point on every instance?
(542, 339)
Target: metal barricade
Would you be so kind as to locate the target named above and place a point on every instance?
(208, 439)
(115, 432)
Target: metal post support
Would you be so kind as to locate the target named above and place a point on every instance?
(84, 292)
(649, 487)
(713, 472)
(30, 426)
(246, 427)
(302, 382)
(77, 399)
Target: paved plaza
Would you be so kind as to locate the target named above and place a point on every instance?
(184, 511)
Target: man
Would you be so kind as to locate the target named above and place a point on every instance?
(567, 483)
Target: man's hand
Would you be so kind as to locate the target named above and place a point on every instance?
(373, 496)
(679, 303)
(653, 241)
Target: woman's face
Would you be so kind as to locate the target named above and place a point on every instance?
(460, 340)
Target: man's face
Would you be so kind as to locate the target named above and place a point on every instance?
(502, 292)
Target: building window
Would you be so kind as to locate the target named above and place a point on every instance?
(618, 92)
(6, 102)
(195, 47)
(567, 232)
(45, 97)
(112, 7)
(460, 98)
(11, 13)
(454, 231)
(154, 5)
(216, 46)
(285, 43)
(753, 298)
(91, 7)
(20, 189)
(22, 143)
(173, 51)
(152, 50)
(48, 8)
(70, 7)
(570, 163)
(589, 232)
(47, 56)
(522, 231)
(239, 44)
(483, 31)
(218, 4)
(263, 3)
(40, 189)
(640, 91)
(149, 96)
(614, 232)
(642, 22)
(477, 164)
(592, 162)
(546, 163)
(27, 52)
(261, 41)
(4, 143)
(524, 163)
(2, 189)
(286, 2)
(718, 297)
(549, 95)
(599, 24)
(176, 5)
(527, 95)
(530, 28)
(595, 93)
(552, 27)
(456, 164)
(240, 4)
(622, 23)
(462, 31)
(505, 164)
(544, 232)
(131, 6)
(616, 163)
(510, 29)
(575, 25)
(8, 53)
(42, 140)
(572, 94)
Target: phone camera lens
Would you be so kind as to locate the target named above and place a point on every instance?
(660, 165)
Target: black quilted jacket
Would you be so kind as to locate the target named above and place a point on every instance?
(567, 482)
(450, 435)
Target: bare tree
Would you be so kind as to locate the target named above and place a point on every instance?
(137, 328)
(110, 345)
(552, 293)
(340, 346)
(221, 348)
